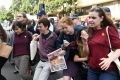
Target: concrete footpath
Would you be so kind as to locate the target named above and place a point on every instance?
(8, 72)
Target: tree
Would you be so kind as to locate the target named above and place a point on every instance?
(32, 6)
(9, 16)
(2, 13)
(5, 15)
(53, 5)
(16, 4)
(22, 6)
(26, 6)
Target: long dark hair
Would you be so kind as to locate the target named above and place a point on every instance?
(106, 20)
(3, 35)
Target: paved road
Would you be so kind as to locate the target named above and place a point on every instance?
(8, 69)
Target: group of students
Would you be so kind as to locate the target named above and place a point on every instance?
(78, 43)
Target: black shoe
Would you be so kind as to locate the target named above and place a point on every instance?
(12, 63)
(16, 72)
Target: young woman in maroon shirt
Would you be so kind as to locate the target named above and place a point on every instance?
(21, 49)
(95, 43)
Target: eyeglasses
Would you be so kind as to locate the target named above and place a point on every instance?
(19, 16)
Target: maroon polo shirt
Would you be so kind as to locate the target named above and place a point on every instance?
(99, 46)
(21, 44)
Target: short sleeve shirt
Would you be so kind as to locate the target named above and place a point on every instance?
(99, 45)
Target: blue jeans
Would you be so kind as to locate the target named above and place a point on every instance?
(102, 75)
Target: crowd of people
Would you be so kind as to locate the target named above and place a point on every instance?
(85, 46)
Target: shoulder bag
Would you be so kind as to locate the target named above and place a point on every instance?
(116, 61)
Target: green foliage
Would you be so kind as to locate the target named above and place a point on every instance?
(2, 14)
(6, 15)
(26, 6)
(22, 6)
(32, 6)
(9, 16)
(16, 4)
(53, 5)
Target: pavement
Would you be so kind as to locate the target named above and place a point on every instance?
(8, 70)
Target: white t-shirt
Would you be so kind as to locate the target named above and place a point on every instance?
(51, 28)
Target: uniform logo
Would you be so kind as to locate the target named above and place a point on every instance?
(103, 34)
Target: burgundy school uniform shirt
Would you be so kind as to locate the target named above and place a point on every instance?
(99, 46)
(21, 44)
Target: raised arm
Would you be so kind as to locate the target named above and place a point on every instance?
(84, 37)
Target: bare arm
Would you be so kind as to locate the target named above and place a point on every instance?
(107, 61)
(115, 55)
(85, 36)
(79, 59)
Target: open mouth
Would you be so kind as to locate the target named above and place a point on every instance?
(91, 22)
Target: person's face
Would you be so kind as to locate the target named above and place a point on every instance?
(94, 20)
(42, 28)
(20, 18)
(59, 27)
(67, 29)
(18, 30)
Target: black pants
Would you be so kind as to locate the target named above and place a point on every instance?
(82, 73)
(80, 77)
